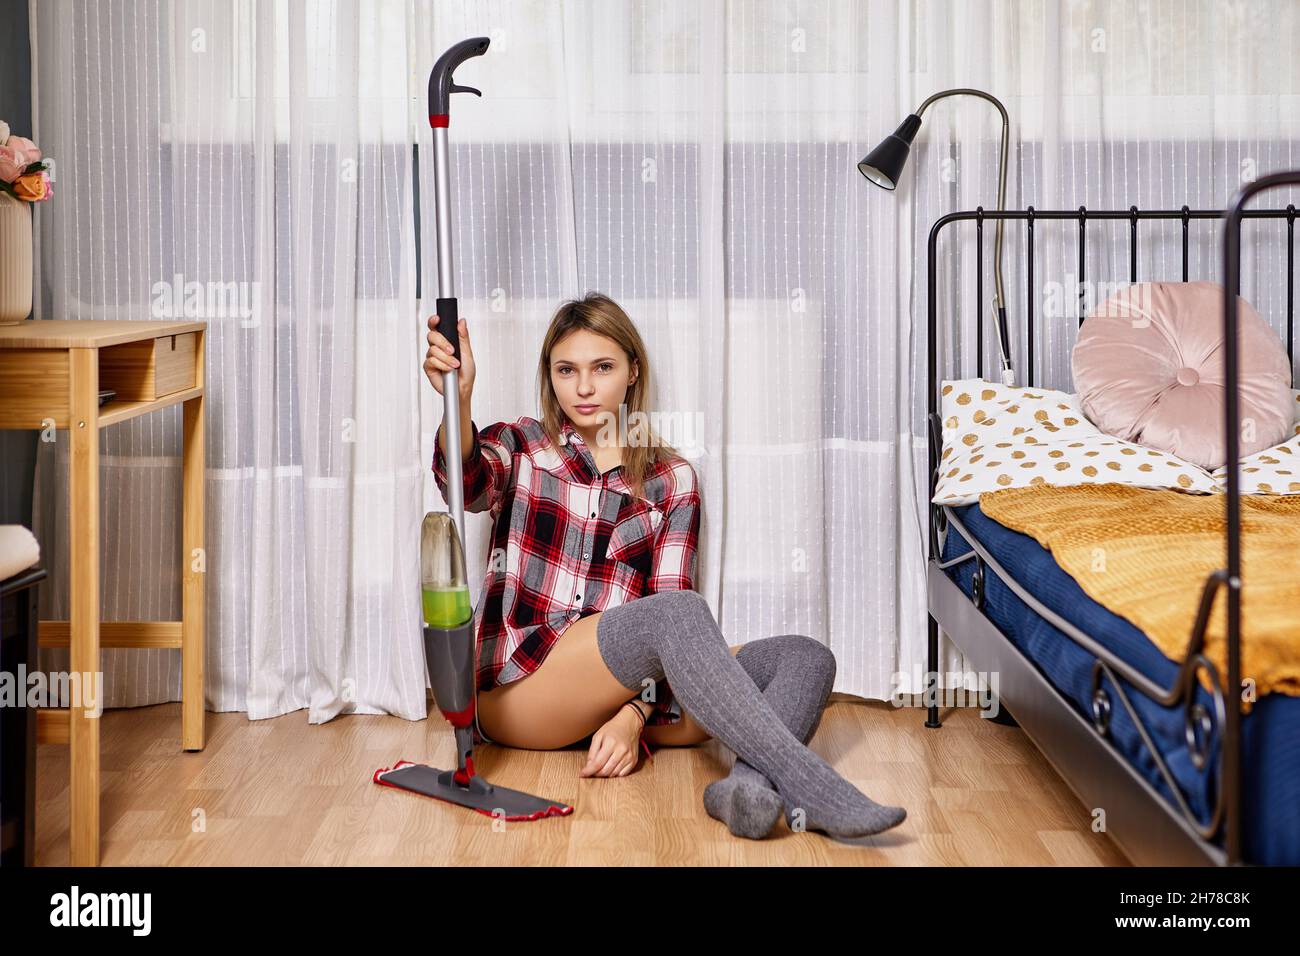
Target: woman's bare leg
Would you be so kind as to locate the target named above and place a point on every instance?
(568, 698)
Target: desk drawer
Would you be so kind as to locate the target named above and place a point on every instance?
(148, 369)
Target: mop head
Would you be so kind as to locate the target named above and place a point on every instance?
(479, 795)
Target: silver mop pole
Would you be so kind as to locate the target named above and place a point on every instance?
(441, 86)
(447, 293)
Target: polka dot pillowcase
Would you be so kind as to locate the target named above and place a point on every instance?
(1273, 471)
(1001, 436)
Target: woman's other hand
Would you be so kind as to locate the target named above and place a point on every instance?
(439, 358)
(614, 747)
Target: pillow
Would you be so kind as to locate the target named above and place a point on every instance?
(19, 550)
(1148, 369)
(1003, 436)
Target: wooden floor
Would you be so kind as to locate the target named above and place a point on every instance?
(282, 792)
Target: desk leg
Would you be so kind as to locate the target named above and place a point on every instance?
(83, 595)
(194, 558)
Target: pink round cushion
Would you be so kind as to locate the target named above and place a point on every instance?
(1148, 367)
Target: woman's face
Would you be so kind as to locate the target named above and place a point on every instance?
(590, 374)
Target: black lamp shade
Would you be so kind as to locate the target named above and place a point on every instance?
(884, 164)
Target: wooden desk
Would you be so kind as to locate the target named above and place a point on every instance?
(50, 376)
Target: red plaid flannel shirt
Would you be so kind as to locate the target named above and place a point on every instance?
(540, 498)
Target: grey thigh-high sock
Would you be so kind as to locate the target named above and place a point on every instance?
(672, 634)
(795, 674)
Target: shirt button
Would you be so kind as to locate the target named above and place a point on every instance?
(593, 514)
(577, 597)
(586, 557)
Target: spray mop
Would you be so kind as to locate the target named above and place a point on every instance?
(449, 645)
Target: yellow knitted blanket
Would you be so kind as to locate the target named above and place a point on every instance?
(1145, 554)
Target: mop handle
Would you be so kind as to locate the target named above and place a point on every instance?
(441, 86)
(441, 82)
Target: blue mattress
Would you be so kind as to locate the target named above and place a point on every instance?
(1270, 756)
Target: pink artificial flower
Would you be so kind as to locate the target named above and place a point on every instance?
(12, 163)
(25, 147)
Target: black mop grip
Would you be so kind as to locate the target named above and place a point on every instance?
(449, 323)
(441, 82)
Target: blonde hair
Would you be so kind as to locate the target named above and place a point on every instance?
(602, 315)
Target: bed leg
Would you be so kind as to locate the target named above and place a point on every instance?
(932, 675)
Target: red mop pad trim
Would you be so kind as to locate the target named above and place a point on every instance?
(539, 815)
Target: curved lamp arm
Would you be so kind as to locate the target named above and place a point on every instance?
(884, 164)
(1002, 177)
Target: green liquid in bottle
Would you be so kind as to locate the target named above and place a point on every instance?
(446, 607)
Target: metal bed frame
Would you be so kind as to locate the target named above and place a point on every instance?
(1148, 829)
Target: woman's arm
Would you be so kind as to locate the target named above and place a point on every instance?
(674, 561)
(466, 431)
(487, 457)
(487, 461)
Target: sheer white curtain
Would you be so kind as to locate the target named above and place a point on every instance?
(694, 160)
(248, 164)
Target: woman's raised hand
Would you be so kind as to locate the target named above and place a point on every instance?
(439, 358)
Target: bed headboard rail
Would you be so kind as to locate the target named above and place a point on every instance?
(1082, 216)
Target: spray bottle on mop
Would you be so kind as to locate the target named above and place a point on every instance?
(449, 644)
